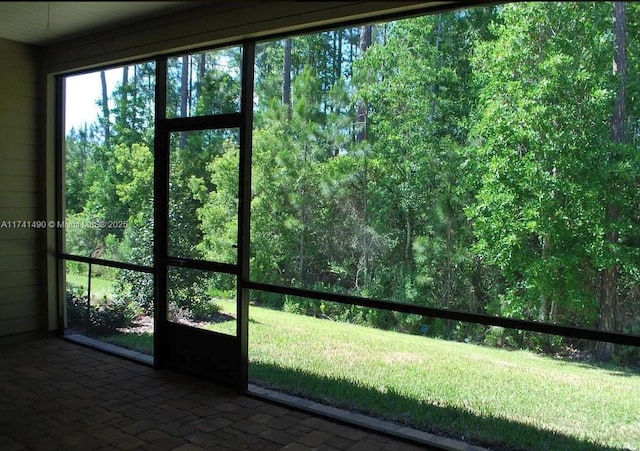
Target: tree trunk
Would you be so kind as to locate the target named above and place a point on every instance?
(83, 150)
(184, 86)
(124, 101)
(435, 88)
(303, 221)
(338, 58)
(135, 96)
(361, 135)
(544, 310)
(202, 69)
(202, 75)
(184, 90)
(609, 276)
(365, 43)
(286, 77)
(620, 69)
(105, 110)
(408, 241)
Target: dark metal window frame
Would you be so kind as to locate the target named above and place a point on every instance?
(163, 128)
(244, 121)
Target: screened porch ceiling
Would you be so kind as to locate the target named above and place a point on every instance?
(43, 23)
(46, 23)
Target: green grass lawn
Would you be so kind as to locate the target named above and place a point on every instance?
(140, 342)
(99, 287)
(492, 397)
(513, 399)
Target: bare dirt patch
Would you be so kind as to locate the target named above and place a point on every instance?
(144, 324)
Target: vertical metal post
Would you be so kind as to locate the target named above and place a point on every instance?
(60, 86)
(160, 213)
(244, 209)
(89, 294)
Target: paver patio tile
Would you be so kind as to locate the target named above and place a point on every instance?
(188, 447)
(315, 438)
(94, 401)
(278, 437)
(366, 445)
(163, 444)
(126, 442)
(250, 427)
(273, 410)
(261, 418)
(9, 444)
(202, 438)
(350, 433)
(152, 435)
(177, 429)
(212, 423)
(318, 423)
(138, 427)
(296, 447)
(340, 442)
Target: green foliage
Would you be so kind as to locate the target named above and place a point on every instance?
(204, 310)
(109, 315)
(77, 309)
(300, 306)
(135, 289)
(189, 303)
(543, 157)
(460, 161)
(98, 318)
(218, 215)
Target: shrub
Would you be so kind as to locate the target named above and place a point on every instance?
(203, 309)
(109, 316)
(102, 318)
(300, 306)
(177, 314)
(77, 312)
(135, 288)
(196, 308)
(628, 355)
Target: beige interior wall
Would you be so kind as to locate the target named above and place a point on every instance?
(20, 245)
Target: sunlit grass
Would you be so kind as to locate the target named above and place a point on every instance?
(99, 287)
(460, 389)
(140, 342)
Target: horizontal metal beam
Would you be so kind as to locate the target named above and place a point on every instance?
(110, 263)
(477, 318)
(204, 265)
(215, 122)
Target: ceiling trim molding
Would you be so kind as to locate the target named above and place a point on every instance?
(216, 23)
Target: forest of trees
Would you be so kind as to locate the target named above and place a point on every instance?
(486, 160)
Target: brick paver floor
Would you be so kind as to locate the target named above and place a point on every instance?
(56, 395)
